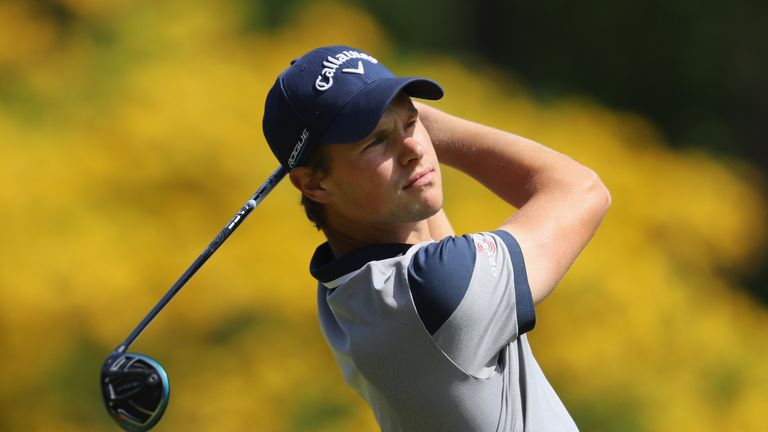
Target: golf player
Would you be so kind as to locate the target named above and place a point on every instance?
(428, 327)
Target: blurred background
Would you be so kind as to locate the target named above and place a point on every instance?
(130, 132)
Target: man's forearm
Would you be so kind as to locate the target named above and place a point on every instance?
(561, 202)
(513, 167)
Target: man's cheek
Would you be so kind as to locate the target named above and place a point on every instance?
(372, 201)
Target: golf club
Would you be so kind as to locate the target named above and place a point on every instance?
(135, 388)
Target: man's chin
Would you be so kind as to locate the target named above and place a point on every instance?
(423, 211)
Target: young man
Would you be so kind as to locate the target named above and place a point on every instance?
(428, 327)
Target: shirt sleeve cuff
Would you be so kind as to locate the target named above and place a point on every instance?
(526, 313)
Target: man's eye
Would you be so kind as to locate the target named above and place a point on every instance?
(411, 124)
(375, 141)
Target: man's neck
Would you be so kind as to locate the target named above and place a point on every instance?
(352, 236)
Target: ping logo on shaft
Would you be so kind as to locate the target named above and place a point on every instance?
(324, 81)
(237, 217)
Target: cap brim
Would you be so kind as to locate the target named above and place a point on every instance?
(362, 113)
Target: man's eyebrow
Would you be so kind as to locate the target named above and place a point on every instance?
(412, 112)
(379, 127)
(373, 133)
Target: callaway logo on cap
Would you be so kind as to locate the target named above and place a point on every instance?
(325, 79)
(332, 95)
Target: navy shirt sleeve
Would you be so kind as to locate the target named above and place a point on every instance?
(439, 275)
(473, 297)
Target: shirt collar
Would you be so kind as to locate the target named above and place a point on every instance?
(325, 267)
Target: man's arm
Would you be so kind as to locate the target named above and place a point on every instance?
(560, 201)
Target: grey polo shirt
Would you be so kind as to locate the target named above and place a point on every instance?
(432, 335)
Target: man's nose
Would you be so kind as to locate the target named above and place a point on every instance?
(410, 150)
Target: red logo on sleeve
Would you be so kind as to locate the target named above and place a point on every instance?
(486, 247)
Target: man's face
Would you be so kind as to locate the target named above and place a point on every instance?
(390, 177)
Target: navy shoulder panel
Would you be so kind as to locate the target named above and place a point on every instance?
(439, 275)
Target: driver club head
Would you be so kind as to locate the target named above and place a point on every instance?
(135, 390)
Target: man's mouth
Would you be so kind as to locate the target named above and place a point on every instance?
(422, 178)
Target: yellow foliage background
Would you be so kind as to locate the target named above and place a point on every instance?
(129, 140)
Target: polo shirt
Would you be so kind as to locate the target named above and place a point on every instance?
(433, 335)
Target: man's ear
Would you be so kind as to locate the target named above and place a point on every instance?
(307, 182)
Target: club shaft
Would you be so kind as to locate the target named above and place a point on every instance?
(231, 226)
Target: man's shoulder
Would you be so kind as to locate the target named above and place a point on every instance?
(443, 261)
(439, 275)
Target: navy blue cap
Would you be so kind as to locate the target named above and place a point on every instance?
(332, 95)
